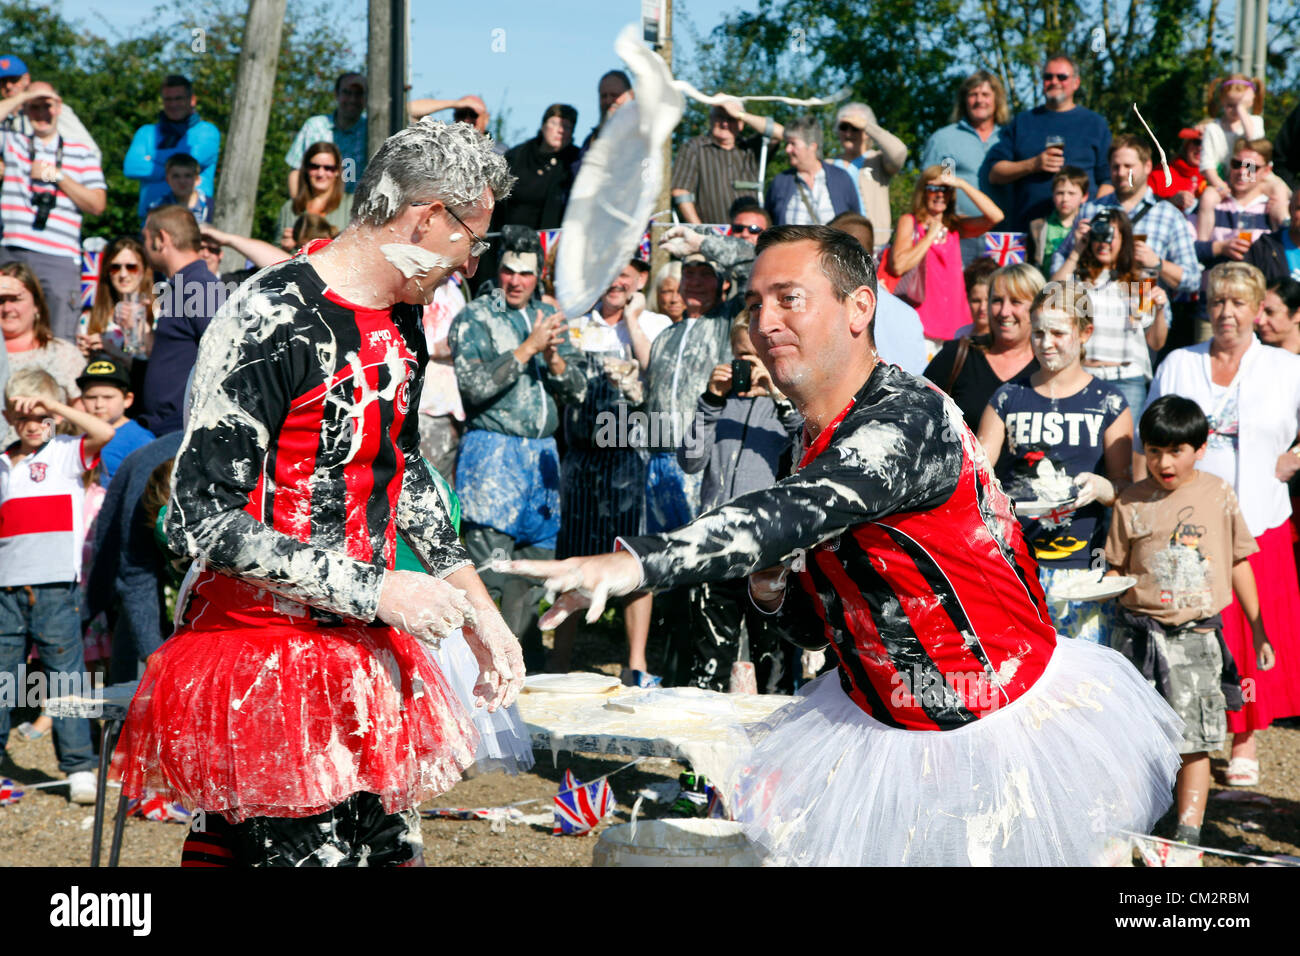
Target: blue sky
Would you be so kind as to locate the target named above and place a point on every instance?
(554, 52)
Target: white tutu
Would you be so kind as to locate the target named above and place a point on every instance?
(504, 743)
(1089, 750)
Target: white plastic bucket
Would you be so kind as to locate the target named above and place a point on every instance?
(685, 842)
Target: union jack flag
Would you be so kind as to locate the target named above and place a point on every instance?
(90, 260)
(547, 238)
(155, 808)
(9, 792)
(643, 249)
(1005, 247)
(579, 807)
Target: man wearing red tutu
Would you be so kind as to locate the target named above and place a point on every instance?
(296, 702)
(958, 729)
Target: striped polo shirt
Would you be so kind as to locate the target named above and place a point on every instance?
(41, 503)
(62, 233)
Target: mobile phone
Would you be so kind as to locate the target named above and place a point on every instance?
(740, 376)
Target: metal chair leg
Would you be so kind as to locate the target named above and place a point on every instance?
(105, 750)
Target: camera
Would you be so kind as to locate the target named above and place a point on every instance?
(1103, 226)
(43, 202)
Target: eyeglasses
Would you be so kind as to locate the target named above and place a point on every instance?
(737, 229)
(1243, 164)
(131, 267)
(323, 167)
(1059, 77)
(480, 245)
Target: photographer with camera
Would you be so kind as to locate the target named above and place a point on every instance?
(49, 183)
(742, 440)
(1130, 310)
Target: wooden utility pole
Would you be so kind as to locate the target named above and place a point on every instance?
(658, 257)
(379, 58)
(241, 166)
(386, 52)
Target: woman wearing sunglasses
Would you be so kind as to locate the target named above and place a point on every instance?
(929, 239)
(123, 304)
(320, 191)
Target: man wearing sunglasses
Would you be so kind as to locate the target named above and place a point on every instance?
(299, 467)
(1228, 225)
(1039, 143)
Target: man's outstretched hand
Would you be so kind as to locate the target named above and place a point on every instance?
(579, 582)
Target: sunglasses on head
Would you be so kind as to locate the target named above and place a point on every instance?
(131, 267)
(326, 167)
(737, 229)
(1059, 77)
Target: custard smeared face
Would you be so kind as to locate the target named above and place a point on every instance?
(1055, 339)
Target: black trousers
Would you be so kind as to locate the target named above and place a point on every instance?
(718, 613)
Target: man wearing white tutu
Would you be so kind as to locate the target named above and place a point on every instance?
(295, 703)
(957, 729)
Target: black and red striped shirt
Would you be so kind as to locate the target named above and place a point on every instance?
(911, 564)
(301, 461)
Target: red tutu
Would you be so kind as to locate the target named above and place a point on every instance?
(287, 722)
(1274, 693)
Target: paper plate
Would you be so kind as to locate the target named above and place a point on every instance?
(617, 185)
(1088, 589)
(1038, 508)
(577, 682)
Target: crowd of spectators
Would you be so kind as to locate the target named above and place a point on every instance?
(562, 433)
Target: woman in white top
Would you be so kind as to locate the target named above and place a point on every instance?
(1251, 394)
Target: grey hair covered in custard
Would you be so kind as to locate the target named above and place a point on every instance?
(451, 163)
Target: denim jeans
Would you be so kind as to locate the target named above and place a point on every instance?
(50, 614)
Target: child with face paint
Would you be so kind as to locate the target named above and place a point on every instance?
(1063, 436)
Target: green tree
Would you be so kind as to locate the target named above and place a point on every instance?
(113, 84)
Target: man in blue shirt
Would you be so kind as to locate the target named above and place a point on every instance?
(178, 130)
(186, 305)
(978, 119)
(1040, 142)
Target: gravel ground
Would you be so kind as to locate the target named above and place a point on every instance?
(44, 829)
